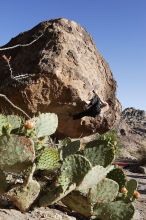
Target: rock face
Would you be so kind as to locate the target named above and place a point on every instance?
(63, 67)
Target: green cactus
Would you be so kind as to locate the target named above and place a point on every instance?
(85, 180)
(54, 194)
(99, 152)
(17, 152)
(131, 187)
(64, 142)
(78, 202)
(117, 210)
(69, 148)
(14, 120)
(112, 138)
(49, 160)
(45, 124)
(118, 175)
(9, 123)
(105, 191)
(92, 177)
(99, 202)
(40, 143)
(50, 196)
(23, 197)
(73, 170)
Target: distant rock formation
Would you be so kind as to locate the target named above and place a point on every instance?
(64, 67)
(136, 119)
(132, 132)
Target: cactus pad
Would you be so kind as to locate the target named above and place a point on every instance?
(45, 124)
(93, 176)
(105, 191)
(78, 202)
(49, 160)
(118, 210)
(64, 142)
(9, 123)
(99, 152)
(131, 187)
(85, 180)
(70, 148)
(73, 170)
(16, 152)
(118, 175)
(14, 121)
(23, 196)
(54, 195)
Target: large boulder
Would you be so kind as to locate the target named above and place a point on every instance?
(64, 67)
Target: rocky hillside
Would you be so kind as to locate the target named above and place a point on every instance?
(136, 119)
(132, 132)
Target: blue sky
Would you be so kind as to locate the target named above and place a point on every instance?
(117, 26)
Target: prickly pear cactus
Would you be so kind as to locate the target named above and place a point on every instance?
(105, 191)
(49, 159)
(117, 210)
(73, 170)
(88, 188)
(131, 187)
(92, 177)
(41, 143)
(112, 138)
(118, 175)
(69, 148)
(78, 202)
(17, 152)
(55, 194)
(100, 202)
(45, 124)
(83, 202)
(14, 120)
(22, 196)
(99, 152)
(64, 142)
(9, 123)
(84, 180)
